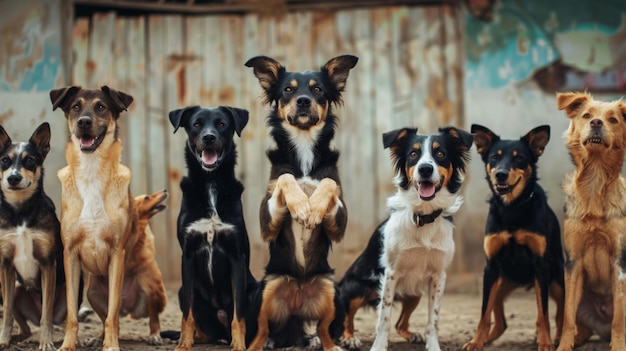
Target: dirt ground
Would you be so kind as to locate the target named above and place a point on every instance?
(459, 317)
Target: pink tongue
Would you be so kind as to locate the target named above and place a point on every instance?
(87, 141)
(209, 157)
(426, 189)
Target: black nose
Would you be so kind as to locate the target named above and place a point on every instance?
(14, 179)
(303, 101)
(425, 170)
(209, 138)
(502, 175)
(84, 122)
(596, 123)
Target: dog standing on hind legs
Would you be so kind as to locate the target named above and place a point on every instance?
(303, 211)
(30, 239)
(522, 240)
(595, 221)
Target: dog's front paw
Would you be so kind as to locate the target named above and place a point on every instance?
(472, 346)
(90, 342)
(47, 346)
(415, 338)
(299, 208)
(315, 343)
(154, 340)
(545, 347)
(351, 344)
(269, 344)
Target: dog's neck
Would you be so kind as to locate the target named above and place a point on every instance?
(104, 160)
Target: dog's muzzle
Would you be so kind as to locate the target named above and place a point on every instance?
(209, 151)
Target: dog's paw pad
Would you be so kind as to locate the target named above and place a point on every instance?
(352, 343)
(155, 340)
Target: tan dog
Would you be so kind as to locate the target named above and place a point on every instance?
(98, 219)
(595, 224)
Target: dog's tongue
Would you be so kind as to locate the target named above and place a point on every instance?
(87, 141)
(209, 157)
(426, 189)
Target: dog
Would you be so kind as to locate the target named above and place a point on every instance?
(417, 237)
(303, 211)
(522, 241)
(30, 238)
(211, 229)
(595, 224)
(99, 219)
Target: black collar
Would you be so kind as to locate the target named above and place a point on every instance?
(426, 219)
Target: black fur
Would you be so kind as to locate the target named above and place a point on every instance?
(212, 189)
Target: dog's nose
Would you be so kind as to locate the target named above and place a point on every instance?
(596, 123)
(425, 170)
(303, 101)
(209, 138)
(14, 179)
(84, 122)
(502, 175)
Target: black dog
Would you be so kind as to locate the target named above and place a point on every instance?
(303, 211)
(211, 228)
(30, 241)
(522, 238)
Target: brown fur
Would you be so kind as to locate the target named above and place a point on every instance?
(595, 206)
(99, 222)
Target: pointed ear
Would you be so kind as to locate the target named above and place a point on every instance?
(180, 117)
(119, 98)
(5, 140)
(41, 139)
(266, 69)
(393, 137)
(466, 139)
(61, 97)
(537, 139)
(571, 102)
(240, 117)
(622, 108)
(338, 69)
(483, 138)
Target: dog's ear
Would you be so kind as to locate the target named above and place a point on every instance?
(465, 139)
(41, 139)
(483, 138)
(622, 109)
(180, 117)
(338, 69)
(119, 98)
(571, 102)
(537, 139)
(395, 136)
(61, 97)
(240, 117)
(5, 140)
(266, 69)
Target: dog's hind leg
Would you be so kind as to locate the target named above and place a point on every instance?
(499, 320)
(238, 324)
(349, 341)
(48, 277)
(8, 295)
(402, 326)
(327, 315)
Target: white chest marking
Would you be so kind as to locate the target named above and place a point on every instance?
(91, 190)
(24, 261)
(304, 143)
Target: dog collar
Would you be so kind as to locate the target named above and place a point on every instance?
(422, 220)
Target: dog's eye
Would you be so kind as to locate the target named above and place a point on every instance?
(413, 155)
(100, 107)
(196, 125)
(221, 124)
(76, 107)
(29, 161)
(613, 120)
(317, 90)
(440, 154)
(5, 161)
(288, 89)
(494, 157)
(586, 116)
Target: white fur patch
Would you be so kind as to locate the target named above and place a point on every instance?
(24, 261)
(210, 227)
(304, 142)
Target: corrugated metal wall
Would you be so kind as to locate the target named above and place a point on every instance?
(410, 73)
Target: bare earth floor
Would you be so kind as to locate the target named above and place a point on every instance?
(459, 317)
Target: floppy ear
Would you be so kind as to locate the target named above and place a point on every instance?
(181, 116)
(466, 139)
(266, 69)
(537, 139)
(483, 138)
(60, 97)
(394, 136)
(338, 68)
(119, 98)
(41, 139)
(571, 102)
(240, 117)
(5, 140)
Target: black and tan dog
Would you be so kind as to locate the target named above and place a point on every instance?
(99, 219)
(523, 240)
(211, 228)
(30, 239)
(303, 211)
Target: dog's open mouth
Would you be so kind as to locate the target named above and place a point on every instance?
(427, 189)
(210, 159)
(90, 143)
(303, 120)
(503, 189)
(594, 139)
